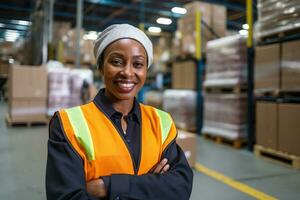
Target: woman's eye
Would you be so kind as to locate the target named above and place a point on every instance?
(117, 62)
(138, 64)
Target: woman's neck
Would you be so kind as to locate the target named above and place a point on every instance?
(122, 106)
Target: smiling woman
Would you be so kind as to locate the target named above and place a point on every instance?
(115, 147)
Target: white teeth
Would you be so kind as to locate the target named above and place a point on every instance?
(126, 85)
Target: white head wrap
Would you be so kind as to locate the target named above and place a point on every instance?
(119, 31)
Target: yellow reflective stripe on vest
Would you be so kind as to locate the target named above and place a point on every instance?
(165, 123)
(81, 130)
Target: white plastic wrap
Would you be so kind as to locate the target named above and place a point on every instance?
(59, 89)
(181, 104)
(275, 16)
(78, 76)
(225, 115)
(154, 98)
(226, 60)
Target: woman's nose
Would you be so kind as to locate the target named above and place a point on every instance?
(128, 70)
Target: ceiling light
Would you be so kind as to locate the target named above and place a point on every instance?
(154, 29)
(165, 21)
(179, 10)
(25, 23)
(243, 32)
(1, 25)
(91, 35)
(245, 26)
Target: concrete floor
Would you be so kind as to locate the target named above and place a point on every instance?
(23, 160)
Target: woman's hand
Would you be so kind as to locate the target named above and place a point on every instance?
(96, 188)
(161, 167)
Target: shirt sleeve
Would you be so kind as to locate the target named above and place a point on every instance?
(176, 183)
(65, 177)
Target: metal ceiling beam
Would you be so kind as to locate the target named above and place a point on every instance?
(134, 7)
(14, 27)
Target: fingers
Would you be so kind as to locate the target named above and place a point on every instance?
(165, 169)
(160, 166)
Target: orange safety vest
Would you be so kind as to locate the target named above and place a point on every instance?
(103, 150)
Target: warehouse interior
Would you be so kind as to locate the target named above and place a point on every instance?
(228, 72)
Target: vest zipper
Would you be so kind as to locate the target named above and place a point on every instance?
(124, 140)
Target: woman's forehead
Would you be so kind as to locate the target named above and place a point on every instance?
(126, 45)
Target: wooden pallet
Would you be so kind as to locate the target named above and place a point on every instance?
(238, 89)
(12, 123)
(278, 156)
(276, 93)
(277, 37)
(235, 143)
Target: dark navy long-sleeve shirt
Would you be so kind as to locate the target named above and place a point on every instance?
(65, 177)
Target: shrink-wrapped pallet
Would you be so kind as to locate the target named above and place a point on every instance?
(154, 98)
(81, 79)
(226, 61)
(181, 104)
(225, 115)
(277, 16)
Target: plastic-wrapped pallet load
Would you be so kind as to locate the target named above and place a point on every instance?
(226, 61)
(59, 89)
(154, 98)
(225, 115)
(80, 78)
(181, 104)
(277, 16)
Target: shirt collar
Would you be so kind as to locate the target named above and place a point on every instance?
(105, 104)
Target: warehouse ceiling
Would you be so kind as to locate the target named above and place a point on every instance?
(97, 14)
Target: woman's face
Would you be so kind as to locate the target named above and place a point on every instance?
(124, 69)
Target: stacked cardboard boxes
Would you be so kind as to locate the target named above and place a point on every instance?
(214, 16)
(188, 143)
(277, 126)
(277, 79)
(27, 94)
(184, 75)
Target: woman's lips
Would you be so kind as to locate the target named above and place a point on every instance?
(124, 86)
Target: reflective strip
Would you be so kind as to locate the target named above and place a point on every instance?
(81, 130)
(165, 124)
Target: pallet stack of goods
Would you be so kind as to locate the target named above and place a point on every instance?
(213, 25)
(180, 102)
(225, 99)
(66, 86)
(277, 82)
(27, 95)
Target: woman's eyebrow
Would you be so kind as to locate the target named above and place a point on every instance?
(139, 56)
(116, 54)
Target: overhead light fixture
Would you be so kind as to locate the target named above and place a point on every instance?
(1, 25)
(243, 32)
(165, 21)
(245, 26)
(179, 10)
(91, 35)
(154, 29)
(24, 23)
(11, 35)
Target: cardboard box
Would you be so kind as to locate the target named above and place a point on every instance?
(4, 68)
(289, 128)
(218, 21)
(27, 110)
(267, 65)
(184, 75)
(266, 124)
(188, 143)
(290, 65)
(27, 82)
